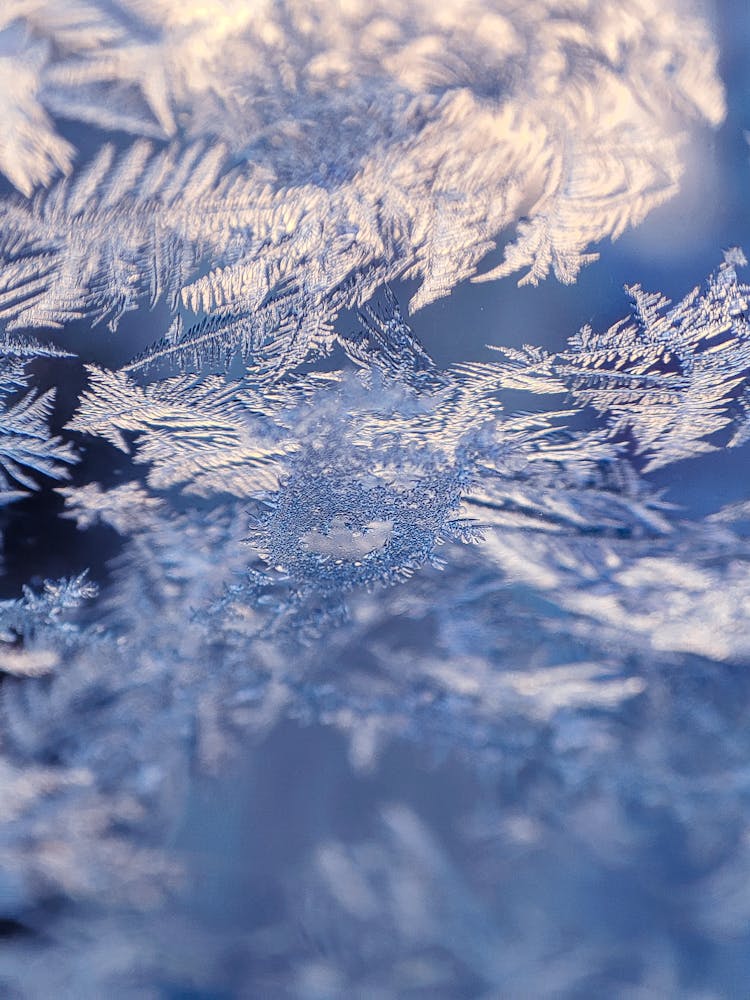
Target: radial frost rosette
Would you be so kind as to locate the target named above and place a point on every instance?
(341, 520)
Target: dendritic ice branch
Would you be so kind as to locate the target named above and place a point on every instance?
(430, 455)
(27, 447)
(316, 152)
(673, 379)
(320, 531)
(292, 159)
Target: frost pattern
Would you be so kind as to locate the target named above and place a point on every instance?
(315, 152)
(27, 448)
(671, 379)
(387, 554)
(430, 454)
(292, 535)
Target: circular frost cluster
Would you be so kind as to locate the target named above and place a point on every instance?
(336, 526)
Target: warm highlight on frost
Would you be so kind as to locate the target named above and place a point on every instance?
(310, 151)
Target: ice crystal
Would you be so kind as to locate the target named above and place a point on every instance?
(295, 211)
(299, 517)
(290, 538)
(672, 379)
(416, 433)
(26, 444)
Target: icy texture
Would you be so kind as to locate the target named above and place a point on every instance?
(27, 447)
(319, 149)
(468, 571)
(570, 646)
